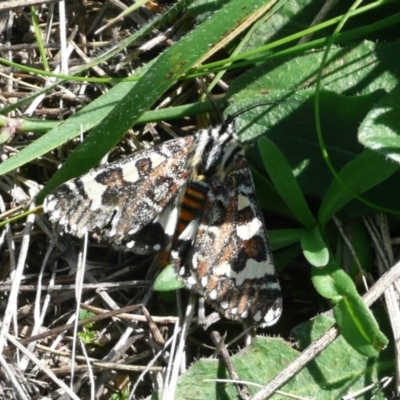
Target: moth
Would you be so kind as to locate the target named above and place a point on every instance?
(192, 198)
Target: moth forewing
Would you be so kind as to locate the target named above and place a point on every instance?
(229, 262)
(120, 199)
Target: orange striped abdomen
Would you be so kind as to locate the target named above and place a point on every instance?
(191, 207)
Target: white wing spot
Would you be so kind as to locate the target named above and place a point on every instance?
(49, 204)
(254, 270)
(224, 269)
(224, 305)
(168, 219)
(190, 231)
(190, 281)
(249, 230)
(93, 190)
(270, 317)
(243, 202)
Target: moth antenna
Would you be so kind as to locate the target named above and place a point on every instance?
(229, 119)
(210, 97)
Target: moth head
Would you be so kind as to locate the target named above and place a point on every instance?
(216, 150)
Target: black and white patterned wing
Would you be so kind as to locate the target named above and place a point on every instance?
(229, 261)
(124, 201)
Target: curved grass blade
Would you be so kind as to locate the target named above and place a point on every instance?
(285, 183)
(362, 173)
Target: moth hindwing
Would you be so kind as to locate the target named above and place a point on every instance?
(193, 198)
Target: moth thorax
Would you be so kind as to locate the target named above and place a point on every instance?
(219, 150)
(231, 153)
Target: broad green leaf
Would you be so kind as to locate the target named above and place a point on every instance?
(291, 127)
(354, 318)
(84, 314)
(361, 63)
(380, 130)
(324, 282)
(358, 325)
(268, 117)
(168, 280)
(338, 370)
(314, 247)
(288, 20)
(289, 123)
(88, 336)
(339, 356)
(285, 183)
(332, 282)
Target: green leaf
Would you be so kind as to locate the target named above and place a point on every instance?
(280, 238)
(260, 362)
(84, 314)
(339, 363)
(87, 336)
(332, 282)
(291, 127)
(355, 320)
(314, 247)
(122, 395)
(268, 116)
(341, 118)
(358, 62)
(358, 326)
(380, 129)
(168, 280)
(324, 282)
(344, 104)
(285, 183)
(362, 173)
(267, 195)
